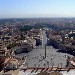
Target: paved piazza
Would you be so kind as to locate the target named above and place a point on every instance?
(35, 58)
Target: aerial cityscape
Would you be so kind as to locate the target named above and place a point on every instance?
(35, 40)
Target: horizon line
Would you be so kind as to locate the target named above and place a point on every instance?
(32, 17)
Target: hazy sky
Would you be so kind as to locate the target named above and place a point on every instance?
(37, 8)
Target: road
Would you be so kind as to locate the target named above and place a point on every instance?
(44, 39)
